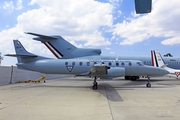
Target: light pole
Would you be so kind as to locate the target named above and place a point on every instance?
(1, 58)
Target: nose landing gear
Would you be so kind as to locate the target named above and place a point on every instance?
(95, 84)
(148, 84)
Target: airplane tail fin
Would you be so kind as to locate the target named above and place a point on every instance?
(21, 53)
(23, 56)
(62, 48)
(56, 44)
(157, 60)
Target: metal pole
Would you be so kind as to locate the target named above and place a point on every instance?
(11, 74)
(1, 58)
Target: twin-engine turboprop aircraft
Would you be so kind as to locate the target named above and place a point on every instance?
(158, 61)
(104, 69)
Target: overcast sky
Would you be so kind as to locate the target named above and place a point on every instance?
(110, 25)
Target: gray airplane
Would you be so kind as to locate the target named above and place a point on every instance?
(103, 69)
(62, 49)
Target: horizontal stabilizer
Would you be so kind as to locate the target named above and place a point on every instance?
(42, 36)
(16, 55)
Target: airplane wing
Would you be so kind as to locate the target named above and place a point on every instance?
(41, 36)
(143, 6)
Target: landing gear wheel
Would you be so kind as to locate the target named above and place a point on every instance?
(133, 78)
(126, 77)
(94, 87)
(148, 85)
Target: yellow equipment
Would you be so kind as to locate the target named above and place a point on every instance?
(24, 81)
(39, 79)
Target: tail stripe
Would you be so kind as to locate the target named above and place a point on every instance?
(49, 47)
(56, 49)
(152, 58)
(157, 65)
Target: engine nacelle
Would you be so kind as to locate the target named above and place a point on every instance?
(114, 72)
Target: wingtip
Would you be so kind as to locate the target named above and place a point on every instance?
(28, 32)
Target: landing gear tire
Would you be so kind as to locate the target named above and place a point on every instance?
(94, 87)
(133, 78)
(126, 77)
(148, 85)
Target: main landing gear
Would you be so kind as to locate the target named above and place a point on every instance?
(95, 84)
(133, 78)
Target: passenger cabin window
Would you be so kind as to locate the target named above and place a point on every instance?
(66, 63)
(117, 64)
(130, 64)
(88, 63)
(73, 63)
(102, 63)
(80, 63)
(95, 63)
(109, 63)
(122, 63)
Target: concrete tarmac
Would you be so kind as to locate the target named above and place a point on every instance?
(73, 99)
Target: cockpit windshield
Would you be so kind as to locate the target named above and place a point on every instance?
(140, 63)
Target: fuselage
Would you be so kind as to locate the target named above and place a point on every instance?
(82, 66)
